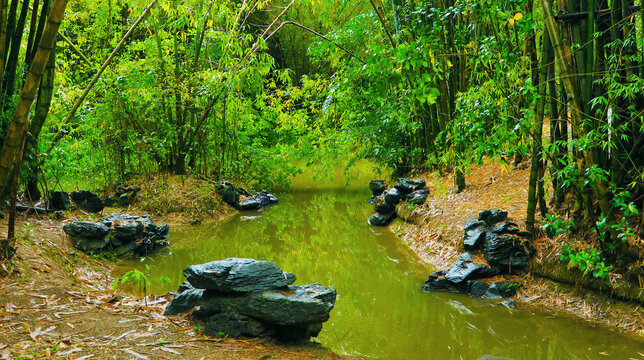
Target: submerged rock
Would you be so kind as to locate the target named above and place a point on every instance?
(261, 303)
(381, 220)
(502, 289)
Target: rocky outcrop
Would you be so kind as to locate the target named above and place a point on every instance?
(505, 250)
(250, 298)
(241, 199)
(385, 200)
(122, 233)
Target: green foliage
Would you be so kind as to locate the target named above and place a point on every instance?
(555, 225)
(587, 260)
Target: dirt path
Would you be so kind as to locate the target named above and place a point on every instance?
(56, 302)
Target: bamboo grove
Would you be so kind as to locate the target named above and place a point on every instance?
(253, 89)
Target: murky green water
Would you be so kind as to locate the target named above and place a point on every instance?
(322, 236)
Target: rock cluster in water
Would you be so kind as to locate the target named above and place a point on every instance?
(241, 199)
(122, 233)
(251, 298)
(504, 246)
(385, 200)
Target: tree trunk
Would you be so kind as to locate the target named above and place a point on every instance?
(12, 63)
(537, 129)
(45, 94)
(20, 116)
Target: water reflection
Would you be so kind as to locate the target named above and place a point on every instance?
(322, 236)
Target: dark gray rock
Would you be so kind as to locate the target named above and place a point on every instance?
(124, 249)
(405, 186)
(464, 269)
(59, 200)
(265, 198)
(249, 204)
(377, 187)
(125, 194)
(420, 184)
(230, 195)
(215, 302)
(502, 289)
(509, 303)
(393, 196)
(506, 227)
(418, 197)
(478, 288)
(507, 251)
(129, 231)
(259, 305)
(236, 325)
(184, 301)
(493, 216)
(86, 230)
(438, 282)
(474, 236)
(299, 305)
(238, 275)
(88, 201)
(381, 220)
(382, 207)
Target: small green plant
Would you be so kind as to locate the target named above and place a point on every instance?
(135, 276)
(27, 230)
(555, 225)
(587, 260)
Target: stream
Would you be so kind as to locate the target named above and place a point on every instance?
(322, 236)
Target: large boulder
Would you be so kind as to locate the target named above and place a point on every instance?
(249, 298)
(237, 275)
(88, 201)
